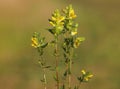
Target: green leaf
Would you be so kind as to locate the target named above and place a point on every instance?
(82, 38)
(46, 66)
(43, 46)
(80, 79)
(65, 73)
(42, 80)
(52, 69)
(51, 31)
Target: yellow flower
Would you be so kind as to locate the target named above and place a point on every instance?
(76, 42)
(72, 14)
(69, 11)
(52, 23)
(86, 75)
(57, 20)
(53, 18)
(60, 19)
(83, 72)
(34, 42)
(73, 33)
(90, 76)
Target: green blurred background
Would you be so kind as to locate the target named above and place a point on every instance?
(99, 23)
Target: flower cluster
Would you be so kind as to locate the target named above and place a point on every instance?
(85, 76)
(78, 41)
(34, 42)
(69, 11)
(57, 22)
(62, 23)
(37, 41)
(70, 25)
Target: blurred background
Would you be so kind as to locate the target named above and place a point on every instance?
(99, 23)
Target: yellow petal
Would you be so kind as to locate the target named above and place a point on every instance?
(62, 18)
(83, 72)
(86, 79)
(52, 23)
(33, 45)
(72, 14)
(90, 76)
(53, 18)
(73, 33)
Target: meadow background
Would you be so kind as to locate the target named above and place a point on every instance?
(99, 23)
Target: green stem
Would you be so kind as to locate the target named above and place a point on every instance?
(79, 85)
(70, 68)
(56, 58)
(44, 74)
(45, 80)
(69, 76)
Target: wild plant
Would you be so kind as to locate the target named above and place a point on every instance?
(62, 25)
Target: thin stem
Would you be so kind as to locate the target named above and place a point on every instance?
(45, 80)
(70, 68)
(44, 74)
(69, 76)
(56, 58)
(79, 85)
